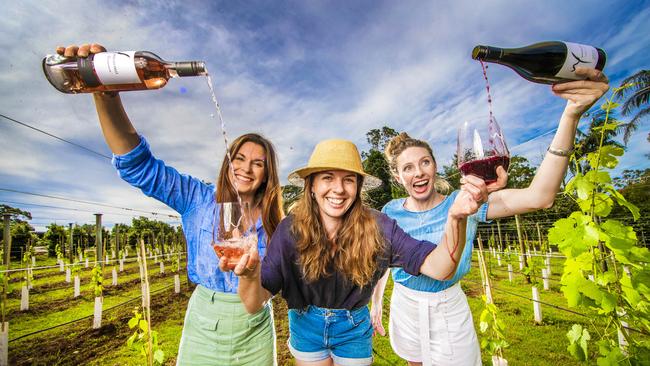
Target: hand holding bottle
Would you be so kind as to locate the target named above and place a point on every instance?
(82, 51)
(582, 94)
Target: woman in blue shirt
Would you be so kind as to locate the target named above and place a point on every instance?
(430, 320)
(217, 328)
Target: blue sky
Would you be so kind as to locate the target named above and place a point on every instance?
(295, 71)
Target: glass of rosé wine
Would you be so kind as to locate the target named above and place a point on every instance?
(234, 231)
(482, 148)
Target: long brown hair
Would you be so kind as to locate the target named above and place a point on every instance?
(268, 194)
(359, 242)
(403, 141)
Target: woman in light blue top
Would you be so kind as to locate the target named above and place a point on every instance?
(217, 328)
(430, 320)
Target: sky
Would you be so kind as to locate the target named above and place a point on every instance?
(295, 71)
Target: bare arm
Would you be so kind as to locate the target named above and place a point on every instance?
(580, 95)
(376, 308)
(119, 133)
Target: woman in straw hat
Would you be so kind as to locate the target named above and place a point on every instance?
(217, 329)
(430, 320)
(327, 255)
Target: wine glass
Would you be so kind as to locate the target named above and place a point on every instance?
(481, 148)
(234, 231)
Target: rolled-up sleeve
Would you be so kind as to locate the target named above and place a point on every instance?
(405, 251)
(141, 169)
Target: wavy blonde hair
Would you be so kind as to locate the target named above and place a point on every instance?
(359, 242)
(403, 141)
(268, 195)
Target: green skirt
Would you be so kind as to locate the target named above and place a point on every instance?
(219, 331)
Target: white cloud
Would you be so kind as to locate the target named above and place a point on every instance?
(296, 76)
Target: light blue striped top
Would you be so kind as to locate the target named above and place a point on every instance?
(430, 225)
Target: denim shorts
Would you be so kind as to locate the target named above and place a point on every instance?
(344, 335)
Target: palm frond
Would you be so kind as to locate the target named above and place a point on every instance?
(633, 125)
(636, 100)
(637, 81)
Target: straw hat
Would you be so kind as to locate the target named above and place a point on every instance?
(334, 155)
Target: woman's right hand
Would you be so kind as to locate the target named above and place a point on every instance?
(248, 266)
(80, 51)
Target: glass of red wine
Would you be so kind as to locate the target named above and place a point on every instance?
(234, 231)
(482, 148)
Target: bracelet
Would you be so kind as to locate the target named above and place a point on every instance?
(558, 152)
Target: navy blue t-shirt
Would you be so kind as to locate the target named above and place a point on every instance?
(281, 270)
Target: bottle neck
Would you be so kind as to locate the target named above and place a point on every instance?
(487, 53)
(187, 68)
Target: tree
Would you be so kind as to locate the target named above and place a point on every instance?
(53, 237)
(290, 195)
(20, 230)
(640, 89)
(520, 174)
(375, 164)
(15, 213)
(451, 173)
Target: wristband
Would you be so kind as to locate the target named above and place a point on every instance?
(558, 152)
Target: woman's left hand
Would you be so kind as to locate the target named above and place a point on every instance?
(582, 94)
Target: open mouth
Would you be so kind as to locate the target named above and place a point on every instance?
(421, 186)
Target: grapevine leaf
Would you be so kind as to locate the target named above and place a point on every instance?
(159, 356)
(143, 325)
(608, 156)
(631, 295)
(133, 322)
(620, 199)
(617, 236)
(484, 327)
(609, 105)
(584, 187)
(578, 339)
(595, 176)
(129, 342)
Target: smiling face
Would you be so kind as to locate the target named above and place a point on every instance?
(417, 173)
(334, 192)
(249, 168)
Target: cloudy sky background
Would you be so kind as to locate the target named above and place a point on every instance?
(297, 72)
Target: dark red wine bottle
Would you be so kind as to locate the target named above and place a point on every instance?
(546, 62)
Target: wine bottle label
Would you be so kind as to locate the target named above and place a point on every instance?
(116, 68)
(577, 55)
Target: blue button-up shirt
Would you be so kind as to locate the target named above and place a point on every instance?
(195, 202)
(430, 225)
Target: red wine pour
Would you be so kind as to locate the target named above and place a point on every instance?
(485, 168)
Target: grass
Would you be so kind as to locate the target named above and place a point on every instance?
(76, 343)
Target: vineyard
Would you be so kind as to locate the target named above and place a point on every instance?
(565, 286)
(58, 327)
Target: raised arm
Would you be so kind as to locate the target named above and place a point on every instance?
(118, 131)
(580, 96)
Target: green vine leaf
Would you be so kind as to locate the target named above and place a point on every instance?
(608, 156)
(578, 340)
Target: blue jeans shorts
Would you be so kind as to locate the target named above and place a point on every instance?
(344, 335)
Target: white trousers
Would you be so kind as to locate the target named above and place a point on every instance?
(435, 328)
